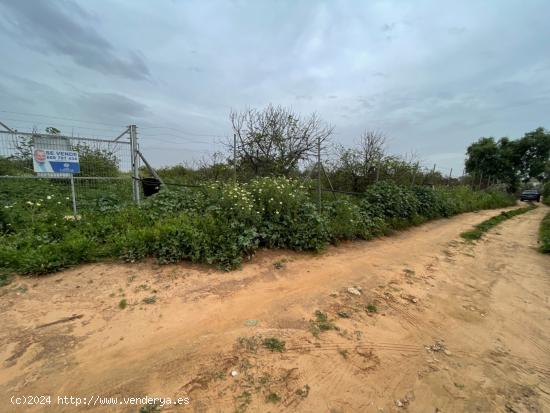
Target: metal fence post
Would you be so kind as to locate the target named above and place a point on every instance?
(235, 157)
(73, 196)
(319, 193)
(134, 148)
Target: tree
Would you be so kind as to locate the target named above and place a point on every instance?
(372, 147)
(274, 141)
(532, 154)
(511, 161)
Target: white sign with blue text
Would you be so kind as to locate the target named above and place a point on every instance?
(55, 160)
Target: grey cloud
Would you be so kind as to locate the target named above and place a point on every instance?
(115, 105)
(448, 74)
(61, 28)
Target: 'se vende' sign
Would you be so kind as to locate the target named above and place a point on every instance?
(53, 160)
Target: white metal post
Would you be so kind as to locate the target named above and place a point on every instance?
(319, 193)
(73, 195)
(134, 148)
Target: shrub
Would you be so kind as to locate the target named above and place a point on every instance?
(392, 201)
(345, 220)
(546, 193)
(544, 234)
(217, 224)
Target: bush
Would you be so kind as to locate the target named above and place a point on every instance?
(389, 200)
(544, 234)
(546, 193)
(217, 224)
(345, 220)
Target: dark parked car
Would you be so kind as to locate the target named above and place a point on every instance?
(530, 195)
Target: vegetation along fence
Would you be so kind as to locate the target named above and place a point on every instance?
(72, 172)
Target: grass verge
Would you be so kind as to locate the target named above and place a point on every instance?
(544, 234)
(486, 225)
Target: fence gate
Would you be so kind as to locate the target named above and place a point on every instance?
(108, 175)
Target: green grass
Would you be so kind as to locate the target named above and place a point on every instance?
(273, 398)
(5, 278)
(544, 234)
(546, 193)
(486, 225)
(150, 408)
(152, 299)
(274, 344)
(321, 323)
(343, 352)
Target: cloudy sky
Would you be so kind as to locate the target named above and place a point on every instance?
(432, 75)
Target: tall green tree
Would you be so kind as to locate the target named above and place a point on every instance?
(511, 161)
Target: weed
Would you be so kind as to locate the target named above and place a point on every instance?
(371, 308)
(274, 344)
(122, 304)
(343, 314)
(152, 299)
(249, 343)
(131, 278)
(486, 225)
(321, 323)
(220, 375)
(5, 278)
(245, 398)
(150, 408)
(245, 364)
(141, 287)
(544, 233)
(343, 352)
(279, 264)
(264, 379)
(273, 398)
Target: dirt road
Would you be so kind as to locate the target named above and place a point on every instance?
(431, 324)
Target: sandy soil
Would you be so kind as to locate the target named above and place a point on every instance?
(458, 327)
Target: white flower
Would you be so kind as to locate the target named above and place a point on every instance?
(38, 204)
(30, 203)
(48, 197)
(58, 203)
(67, 198)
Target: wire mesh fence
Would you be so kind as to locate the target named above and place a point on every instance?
(104, 176)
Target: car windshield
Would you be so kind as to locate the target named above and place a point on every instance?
(530, 191)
